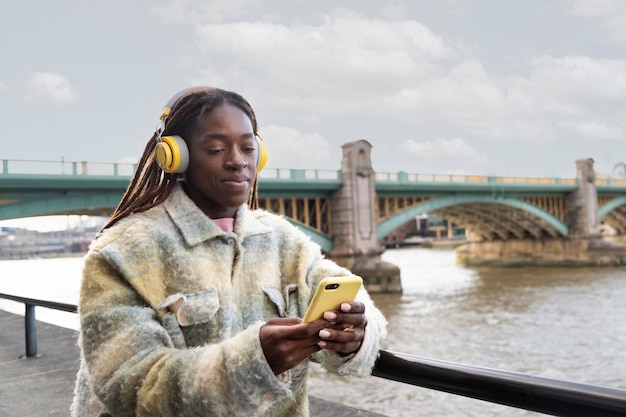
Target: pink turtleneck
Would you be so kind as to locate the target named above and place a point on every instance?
(227, 224)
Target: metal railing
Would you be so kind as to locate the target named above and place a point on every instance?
(126, 169)
(68, 168)
(529, 392)
(30, 322)
(407, 177)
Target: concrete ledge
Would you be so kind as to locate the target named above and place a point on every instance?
(44, 385)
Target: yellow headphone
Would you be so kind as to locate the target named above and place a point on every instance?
(171, 152)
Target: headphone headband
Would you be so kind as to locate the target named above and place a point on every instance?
(172, 101)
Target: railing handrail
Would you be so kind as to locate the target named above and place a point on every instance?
(545, 395)
(70, 308)
(520, 390)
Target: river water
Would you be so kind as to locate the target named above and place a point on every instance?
(567, 323)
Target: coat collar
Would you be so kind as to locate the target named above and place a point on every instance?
(196, 227)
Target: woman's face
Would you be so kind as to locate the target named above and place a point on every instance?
(223, 153)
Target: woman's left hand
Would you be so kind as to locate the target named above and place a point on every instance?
(347, 328)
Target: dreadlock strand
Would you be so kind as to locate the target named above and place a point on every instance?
(253, 200)
(137, 184)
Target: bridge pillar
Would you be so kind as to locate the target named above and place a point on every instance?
(353, 210)
(582, 204)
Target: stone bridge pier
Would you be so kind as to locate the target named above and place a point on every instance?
(356, 246)
(582, 204)
(585, 238)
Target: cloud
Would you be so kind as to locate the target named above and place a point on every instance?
(593, 79)
(611, 13)
(49, 88)
(397, 71)
(574, 97)
(290, 148)
(320, 60)
(444, 152)
(458, 96)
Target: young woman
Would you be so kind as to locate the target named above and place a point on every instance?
(191, 296)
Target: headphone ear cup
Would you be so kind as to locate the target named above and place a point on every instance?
(263, 155)
(172, 154)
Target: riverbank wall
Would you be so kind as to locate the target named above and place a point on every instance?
(545, 252)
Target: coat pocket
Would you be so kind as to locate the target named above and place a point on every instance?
(194, 308)
(286, 302)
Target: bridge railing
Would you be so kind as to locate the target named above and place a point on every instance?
(525, 391)
(81, 168)
(406, 177)
(611, 181)
(27, 167)
(299, 174)
(126, 169)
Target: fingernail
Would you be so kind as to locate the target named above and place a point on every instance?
(345, 307)
(325, 334)
(329, 315)
(321, 344)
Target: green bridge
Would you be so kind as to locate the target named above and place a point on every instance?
(492, 207)
(351, 210)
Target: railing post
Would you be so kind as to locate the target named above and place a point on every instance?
(30, 330)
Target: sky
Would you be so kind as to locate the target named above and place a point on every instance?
(488, 87)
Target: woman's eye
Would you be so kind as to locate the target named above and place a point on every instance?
(249, 149)
(214, 151)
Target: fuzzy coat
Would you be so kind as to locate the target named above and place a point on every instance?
(170, 312)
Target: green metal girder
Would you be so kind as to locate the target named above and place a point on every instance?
(49, 205)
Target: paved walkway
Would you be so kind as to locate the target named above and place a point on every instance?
(43, 386)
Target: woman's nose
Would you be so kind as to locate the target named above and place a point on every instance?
(236, 159)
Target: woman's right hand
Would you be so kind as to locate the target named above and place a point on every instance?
(286, 341)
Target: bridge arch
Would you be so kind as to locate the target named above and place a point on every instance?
(613, 214)
(438, 203)
(610, 206)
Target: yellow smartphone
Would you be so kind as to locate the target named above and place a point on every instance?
(330, 293)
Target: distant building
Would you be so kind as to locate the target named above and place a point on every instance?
(18, 243)
(423, 228)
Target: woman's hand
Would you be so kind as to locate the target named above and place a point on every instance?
(347, 328)
(286, 342)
